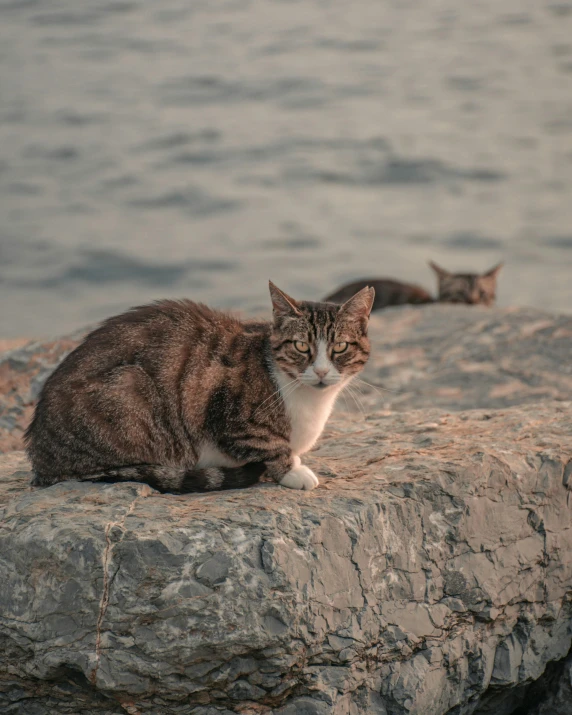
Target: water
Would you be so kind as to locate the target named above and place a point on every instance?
(199, 148)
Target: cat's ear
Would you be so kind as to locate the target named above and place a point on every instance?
(494, 271)
(282, 305)
(359, 306)
(441, 272)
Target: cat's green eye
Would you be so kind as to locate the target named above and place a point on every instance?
(301, 346)
(340, 347)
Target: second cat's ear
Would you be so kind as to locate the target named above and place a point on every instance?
(494, 271)
(282, 304)
(441, 272)
(359, 305)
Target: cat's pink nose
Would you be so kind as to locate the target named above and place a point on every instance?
(321, 371)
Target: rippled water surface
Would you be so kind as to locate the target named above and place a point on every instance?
(199, 148)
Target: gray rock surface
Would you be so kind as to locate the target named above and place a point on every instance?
(459, 357)
(430, 573)
(23, 371)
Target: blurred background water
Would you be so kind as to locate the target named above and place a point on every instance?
(198, 148)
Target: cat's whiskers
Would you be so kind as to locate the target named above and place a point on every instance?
(282, 393)
(375, 387)
(276, 392)
(353, 396)
(358, 402)
(271, 408)
(281, 400)
(343, 394)
(360, 390)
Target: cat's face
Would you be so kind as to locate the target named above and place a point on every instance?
(320, 344)
(471, 288)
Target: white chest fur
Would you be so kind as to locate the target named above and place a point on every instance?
(308, 409)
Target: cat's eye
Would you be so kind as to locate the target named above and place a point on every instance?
(301, 347)
(340, 347)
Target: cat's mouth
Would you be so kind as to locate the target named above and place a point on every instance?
(319, 385)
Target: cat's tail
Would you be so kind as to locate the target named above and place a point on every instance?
(176, 480)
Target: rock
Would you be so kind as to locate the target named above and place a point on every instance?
(458, 357)
(304, 706)
(260, 594)
(552, 694)
(430, 573)
(23, 371)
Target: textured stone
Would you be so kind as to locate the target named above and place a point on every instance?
(460, 357)
(430, 573)
(105, 580)
(23, 371)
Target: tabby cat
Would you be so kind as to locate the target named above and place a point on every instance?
(185, 398)
(471, 288)
(387, 292)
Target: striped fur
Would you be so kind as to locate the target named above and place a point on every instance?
(387, 292)
(469, 288)
(185, 398)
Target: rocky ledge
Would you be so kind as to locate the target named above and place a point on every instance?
(430, 573)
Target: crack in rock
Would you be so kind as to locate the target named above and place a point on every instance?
(107, 580)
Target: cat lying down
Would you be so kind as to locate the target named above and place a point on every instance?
(470, 288)
(187, 399)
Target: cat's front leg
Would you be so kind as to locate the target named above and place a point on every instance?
(299, 476)
(288, 471)
(280, 464)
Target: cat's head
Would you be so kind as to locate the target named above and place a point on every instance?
(472, 288)
(320, 344)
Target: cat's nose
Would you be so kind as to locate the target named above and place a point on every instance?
(321, 372)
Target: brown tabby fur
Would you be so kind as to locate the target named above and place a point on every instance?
(143, 394)
(387, 292)
(469, 288)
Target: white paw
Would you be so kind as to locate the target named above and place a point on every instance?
(300, 478)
